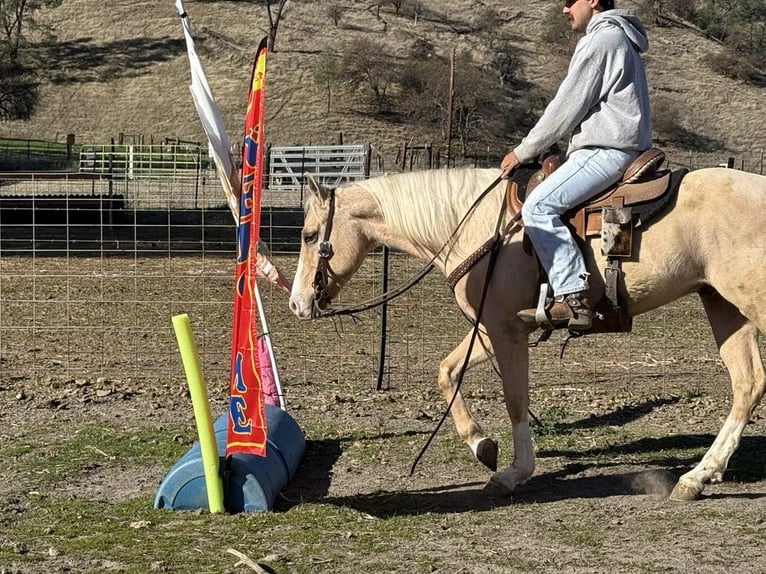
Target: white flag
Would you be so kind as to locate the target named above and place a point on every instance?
(210, 116)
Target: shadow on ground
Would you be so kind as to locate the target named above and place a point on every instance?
(546, 488)
(747, 464)
(602, 475)
(312, 480)
(620, 416)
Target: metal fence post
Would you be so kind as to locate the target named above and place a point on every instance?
(383, 323)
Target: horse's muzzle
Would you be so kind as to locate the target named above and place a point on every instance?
(311, 308)
(300, 310)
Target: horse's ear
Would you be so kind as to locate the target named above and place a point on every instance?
(317, 188)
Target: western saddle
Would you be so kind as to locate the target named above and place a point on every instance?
(643, 192)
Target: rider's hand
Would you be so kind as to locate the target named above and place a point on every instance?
(509, 163)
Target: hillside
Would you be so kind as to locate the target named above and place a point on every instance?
(120, 67)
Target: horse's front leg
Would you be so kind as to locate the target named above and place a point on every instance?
(483, 448)
(512, 355)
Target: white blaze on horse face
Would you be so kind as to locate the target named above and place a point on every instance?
(302, 294)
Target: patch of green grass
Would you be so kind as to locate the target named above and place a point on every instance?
(52, 459)
(548, 421)
(515, 561)
(307, 539)
(15, 450)
(24, 145)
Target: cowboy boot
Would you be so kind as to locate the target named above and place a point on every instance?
(571, 311)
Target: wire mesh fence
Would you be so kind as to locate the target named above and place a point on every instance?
(89, 296)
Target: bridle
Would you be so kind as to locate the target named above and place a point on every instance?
(322, 272)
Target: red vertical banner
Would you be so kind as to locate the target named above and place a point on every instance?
(247, 417)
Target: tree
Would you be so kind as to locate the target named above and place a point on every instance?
(366, 66)
(504, 61)
(335, 13)
(16, 17)
(739, 25)
(475, 105)
(327, 74)
(18, 82)
(395, 4)
(477, 101)
(275, 17)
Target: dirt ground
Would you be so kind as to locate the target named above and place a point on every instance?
(619, 418)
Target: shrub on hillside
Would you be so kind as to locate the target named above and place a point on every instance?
(505, 62)
(732, 65)
(658, 11)
(19, 93)
(367, 68)
(684, 9)
(665, 120)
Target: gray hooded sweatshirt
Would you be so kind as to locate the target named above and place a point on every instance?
(603, 102)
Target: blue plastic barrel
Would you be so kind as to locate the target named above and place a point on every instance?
(254, 481)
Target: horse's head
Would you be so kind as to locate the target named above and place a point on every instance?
(333, 247)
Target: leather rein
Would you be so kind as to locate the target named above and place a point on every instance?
(326, 252)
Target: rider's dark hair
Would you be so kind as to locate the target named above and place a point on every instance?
(606, 4)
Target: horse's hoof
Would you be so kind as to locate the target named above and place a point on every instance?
(496, 489)
(486, 453)
(685, 492)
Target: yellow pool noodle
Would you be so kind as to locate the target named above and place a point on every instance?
(208, 448)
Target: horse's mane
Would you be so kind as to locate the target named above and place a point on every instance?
(428, 205)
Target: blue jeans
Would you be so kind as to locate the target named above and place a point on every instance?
(586, 173)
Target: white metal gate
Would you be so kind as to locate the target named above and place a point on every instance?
(330, 165)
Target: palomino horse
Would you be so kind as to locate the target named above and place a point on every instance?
(711, 242)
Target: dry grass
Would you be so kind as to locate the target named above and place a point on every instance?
(122, 68)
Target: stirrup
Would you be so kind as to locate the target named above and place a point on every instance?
(579, 314)
(541, 314)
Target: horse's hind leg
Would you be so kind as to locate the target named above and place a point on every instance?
(737, 342)
(484, 449)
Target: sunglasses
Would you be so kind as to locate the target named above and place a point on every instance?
(569, 3)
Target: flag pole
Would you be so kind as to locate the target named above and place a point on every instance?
(267, 337)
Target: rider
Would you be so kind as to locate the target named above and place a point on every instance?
(603, 105)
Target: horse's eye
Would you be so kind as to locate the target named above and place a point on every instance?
(310, 237)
